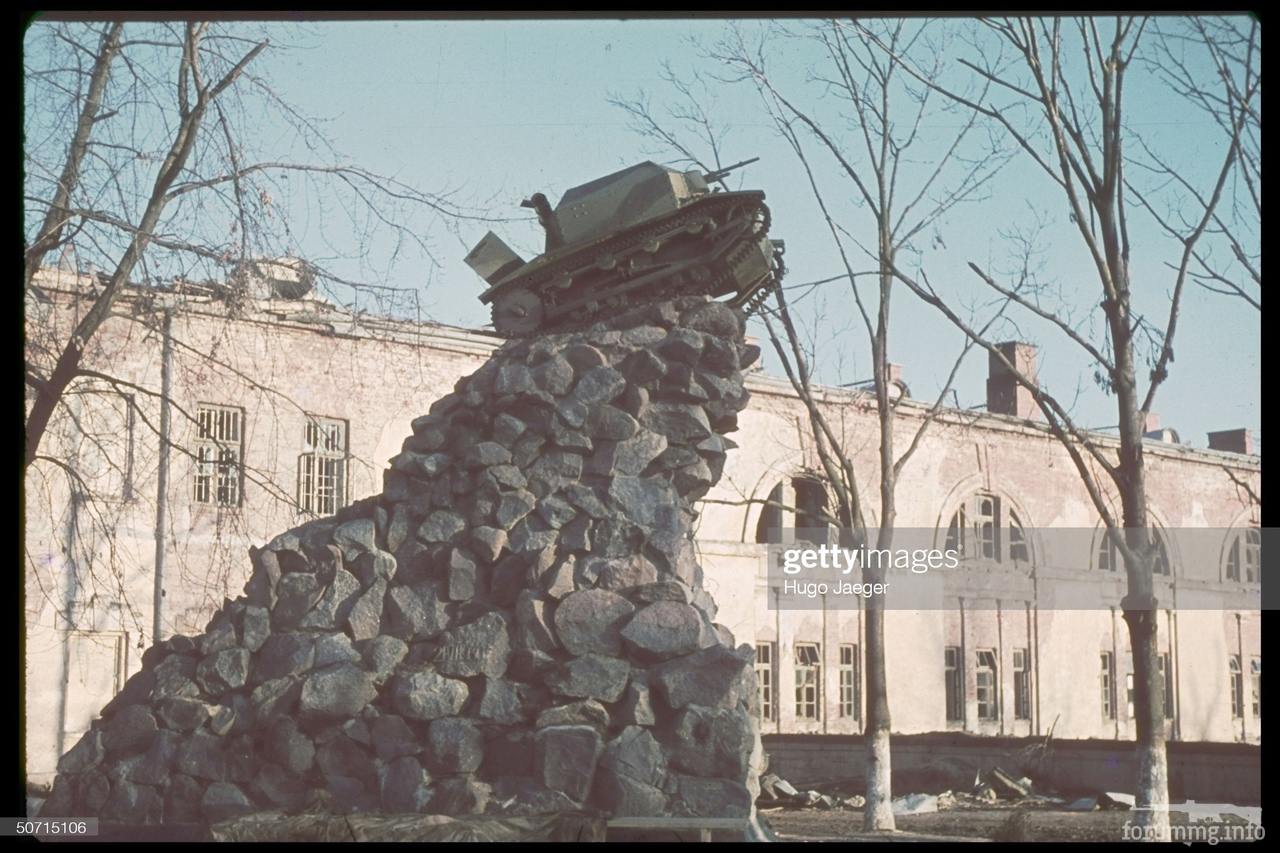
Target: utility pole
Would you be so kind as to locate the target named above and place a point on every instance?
(162, 479)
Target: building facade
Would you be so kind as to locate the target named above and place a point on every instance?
(282, 410)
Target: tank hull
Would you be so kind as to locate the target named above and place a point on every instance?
(715, 245)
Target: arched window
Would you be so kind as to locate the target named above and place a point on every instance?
(811, 508)
(984, 528)
(1108, 558)
(1019, 550)
(1237, 686)
(1244, 557)
(769, 527)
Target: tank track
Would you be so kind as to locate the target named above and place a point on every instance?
(680, 282)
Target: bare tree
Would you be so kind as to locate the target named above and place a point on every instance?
(1061, 98)
(1232, 99)
(144, 157)
(906, 181)
(161, 166)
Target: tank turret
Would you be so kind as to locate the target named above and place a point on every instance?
(640, 235)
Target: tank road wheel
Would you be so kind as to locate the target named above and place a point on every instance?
(517, 313)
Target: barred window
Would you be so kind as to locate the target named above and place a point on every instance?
(808, 681)
(988, 688)
(1108, 678)
(219, 455)
(322, 467)
(954, 685)
(765, 680)
(850, 695)
(1021, 685)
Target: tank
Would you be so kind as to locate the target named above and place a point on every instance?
(643, 234)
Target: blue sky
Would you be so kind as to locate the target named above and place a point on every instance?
(498, 110)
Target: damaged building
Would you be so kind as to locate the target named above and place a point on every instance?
(284, 407)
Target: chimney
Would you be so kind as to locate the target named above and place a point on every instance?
(1232, 441)
(897, 388)
(1152, 430)
(1004, 395)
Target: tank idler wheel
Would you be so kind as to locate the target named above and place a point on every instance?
(517, 313)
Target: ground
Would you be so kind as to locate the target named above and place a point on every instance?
(1005, 824)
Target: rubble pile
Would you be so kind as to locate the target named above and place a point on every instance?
(516, 625)
(1000, 791)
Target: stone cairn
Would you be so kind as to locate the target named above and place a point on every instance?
(516, 625)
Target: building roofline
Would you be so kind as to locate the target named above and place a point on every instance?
(981, 418)
(326, 318)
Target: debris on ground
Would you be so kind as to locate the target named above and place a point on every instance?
(915, 804)
(1007, 786)
(776, 792)
(1000, 790)
(1113, 800)
(1084, 804)
(774, 787)
(1106, 801)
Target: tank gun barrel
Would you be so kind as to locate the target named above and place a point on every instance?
(719, 174)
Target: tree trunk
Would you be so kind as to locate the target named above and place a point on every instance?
(1139, 604)
(1152, 800)
(879, 809)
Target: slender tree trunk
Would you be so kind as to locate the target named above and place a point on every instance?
(1152, 798)
(1139, 605)
(879, 810)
